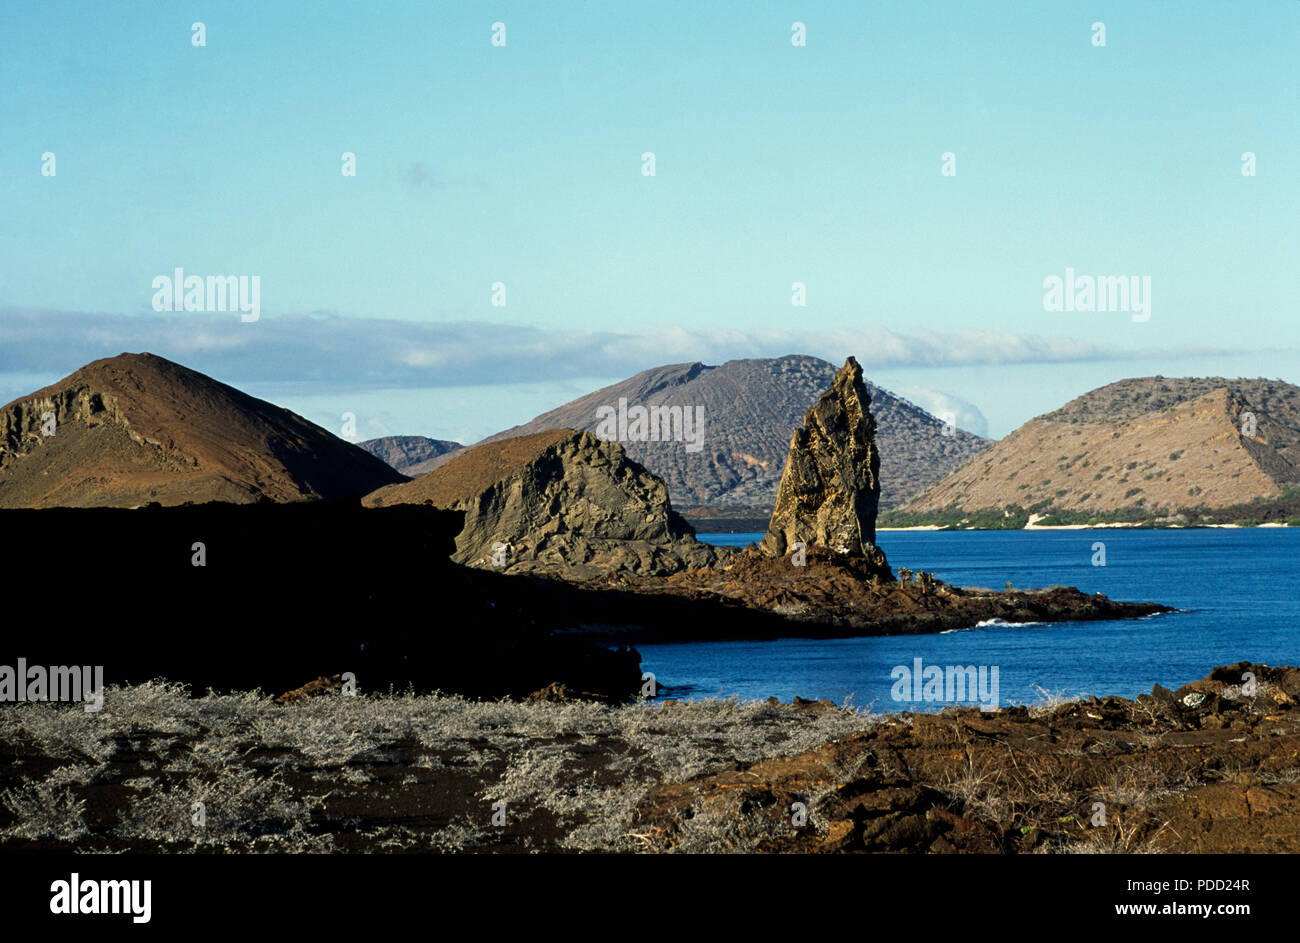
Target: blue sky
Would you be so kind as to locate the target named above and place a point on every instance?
(774, 164)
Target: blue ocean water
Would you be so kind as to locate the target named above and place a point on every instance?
(1237, 592)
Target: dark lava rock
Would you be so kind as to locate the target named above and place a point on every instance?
(286, 593)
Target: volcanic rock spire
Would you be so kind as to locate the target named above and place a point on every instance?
(830, 490)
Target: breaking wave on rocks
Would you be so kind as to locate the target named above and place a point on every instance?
(991, 622)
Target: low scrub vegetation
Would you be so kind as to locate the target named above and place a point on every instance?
(159, 770)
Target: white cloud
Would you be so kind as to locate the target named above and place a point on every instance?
(333, 352)
(946, 406)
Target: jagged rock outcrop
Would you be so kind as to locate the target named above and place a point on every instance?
(137, 429)
(560, 502)
(830, 490)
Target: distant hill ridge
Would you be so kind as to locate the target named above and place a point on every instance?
(1148, 442)
(750, 408)
(412, 455)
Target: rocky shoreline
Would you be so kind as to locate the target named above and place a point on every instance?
(835, 597)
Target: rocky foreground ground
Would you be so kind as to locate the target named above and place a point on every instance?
(1211, 767)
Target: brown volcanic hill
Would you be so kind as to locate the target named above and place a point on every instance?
(1152, 442)
(559, 502)
(412, 455)
(750, 409)
(470, 472)
(136, 428)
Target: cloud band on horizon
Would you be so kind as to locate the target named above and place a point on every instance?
(348, 352)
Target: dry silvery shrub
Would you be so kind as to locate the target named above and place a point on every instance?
(239, 807)
(49, 809)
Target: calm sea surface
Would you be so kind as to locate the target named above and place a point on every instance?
(1237, 592)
